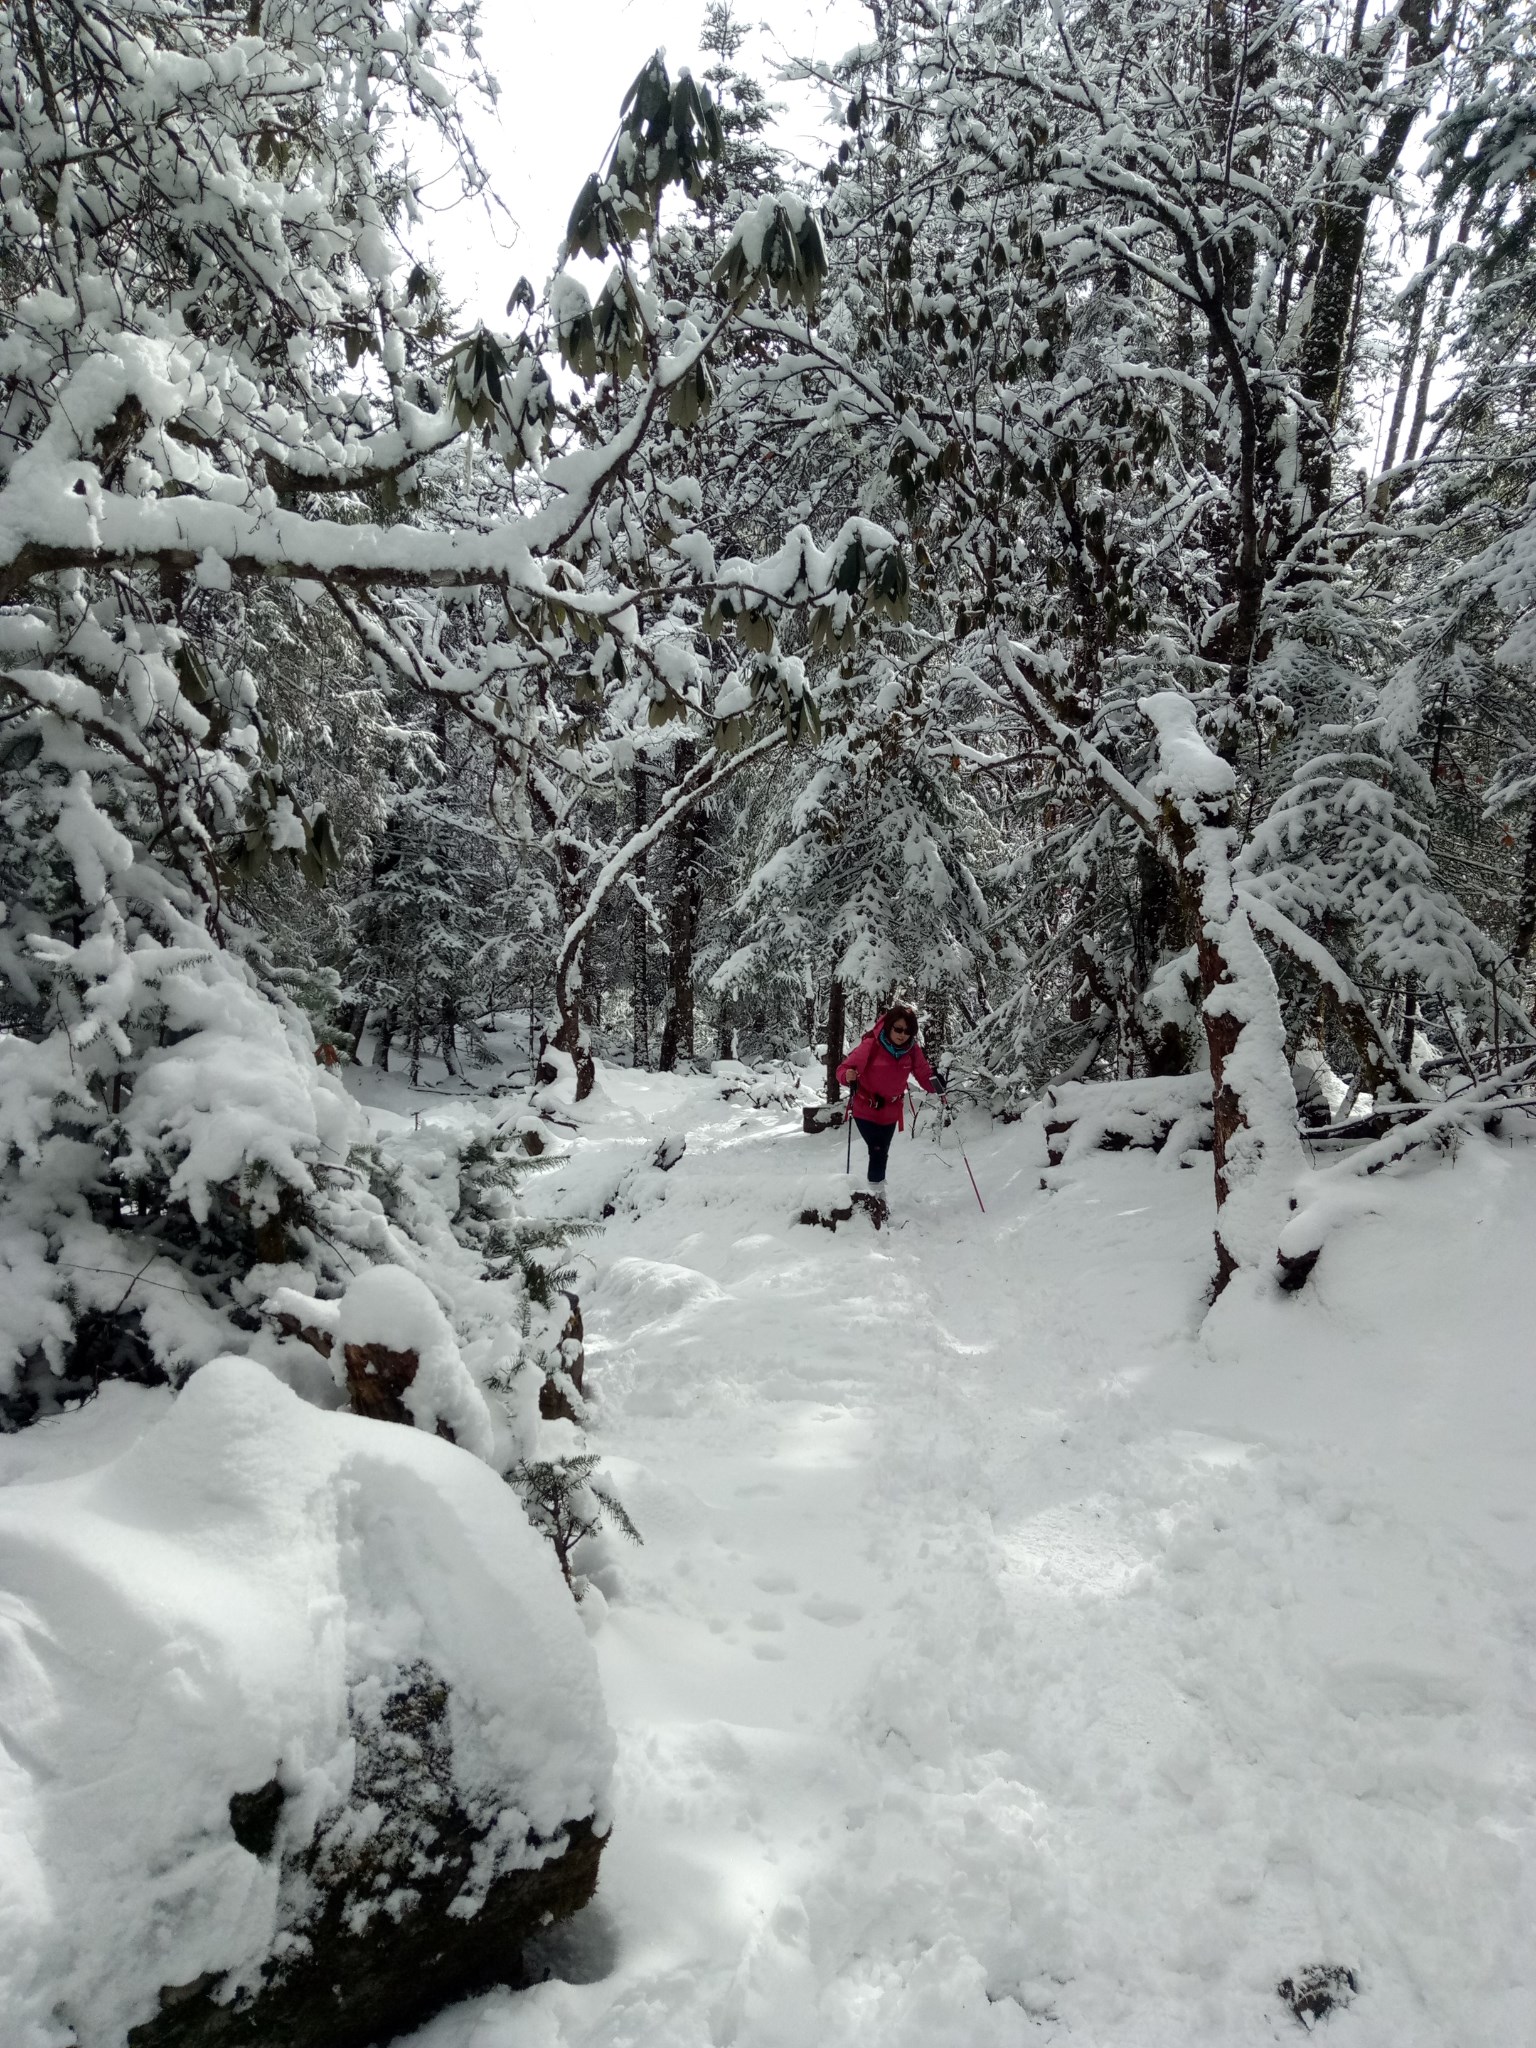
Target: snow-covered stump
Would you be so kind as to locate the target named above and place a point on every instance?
(392, 1348)
(306, 1734)
(827, 1200)
(816, 1117)
(1256, 1151)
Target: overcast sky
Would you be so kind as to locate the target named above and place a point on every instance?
(564, 66)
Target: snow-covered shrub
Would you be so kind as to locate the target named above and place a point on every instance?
(773, 1084)
(569, 1504)
(187, 361)
(293, 1702)
(453, 1194)
(167, 1141)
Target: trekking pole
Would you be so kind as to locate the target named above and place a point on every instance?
(976, 1191)
(848, 1120)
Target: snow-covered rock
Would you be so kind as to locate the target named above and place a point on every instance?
(290, 1699)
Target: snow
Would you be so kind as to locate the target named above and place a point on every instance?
(1187, 770)
(195, 1593)
(1021, 1654)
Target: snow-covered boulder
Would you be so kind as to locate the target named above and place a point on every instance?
(302, 1734)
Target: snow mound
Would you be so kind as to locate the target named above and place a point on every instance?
(213, 1610)
(651, 1288)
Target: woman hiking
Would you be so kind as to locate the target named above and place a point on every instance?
(878, 1070)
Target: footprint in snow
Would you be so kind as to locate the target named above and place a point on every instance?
(835, 1613)
(776, 1582)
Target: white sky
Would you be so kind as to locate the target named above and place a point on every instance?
(564, 66)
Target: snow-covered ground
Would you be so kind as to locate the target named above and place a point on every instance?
(1016, 1654)
(1012, 1659)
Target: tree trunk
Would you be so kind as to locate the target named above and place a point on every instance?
(1342, 236)
(682, 923)
(448, 1034)
(1406, 370)
(640, 945)
(571, 1032)
(1410, 1020)
(384, 1038)
(1257, 1154)
(571, 858)
(355, 1024)
(835, 1033)
(1525, 930)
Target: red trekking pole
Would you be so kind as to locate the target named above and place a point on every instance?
(976, 1191)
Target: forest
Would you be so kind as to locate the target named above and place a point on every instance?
(1061, 565)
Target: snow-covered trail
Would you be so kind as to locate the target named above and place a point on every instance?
(1008, 1661)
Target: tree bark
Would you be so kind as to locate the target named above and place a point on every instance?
(571, 1032)
(640, 944)
(384, 1038)
(1257, 1155)
(1342, 230)
(836, 1030)
(1525, 931)
(677, 1035)
(448, 1034)
(413, 1042)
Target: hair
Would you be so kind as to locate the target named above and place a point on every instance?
(901, 1013)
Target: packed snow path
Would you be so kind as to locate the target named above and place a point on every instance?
(1011, 1661)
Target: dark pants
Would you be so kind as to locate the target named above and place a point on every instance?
(878, 1138)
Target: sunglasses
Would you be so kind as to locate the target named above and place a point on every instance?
(901, 1030)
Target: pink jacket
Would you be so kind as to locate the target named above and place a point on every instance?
(881, 1078)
